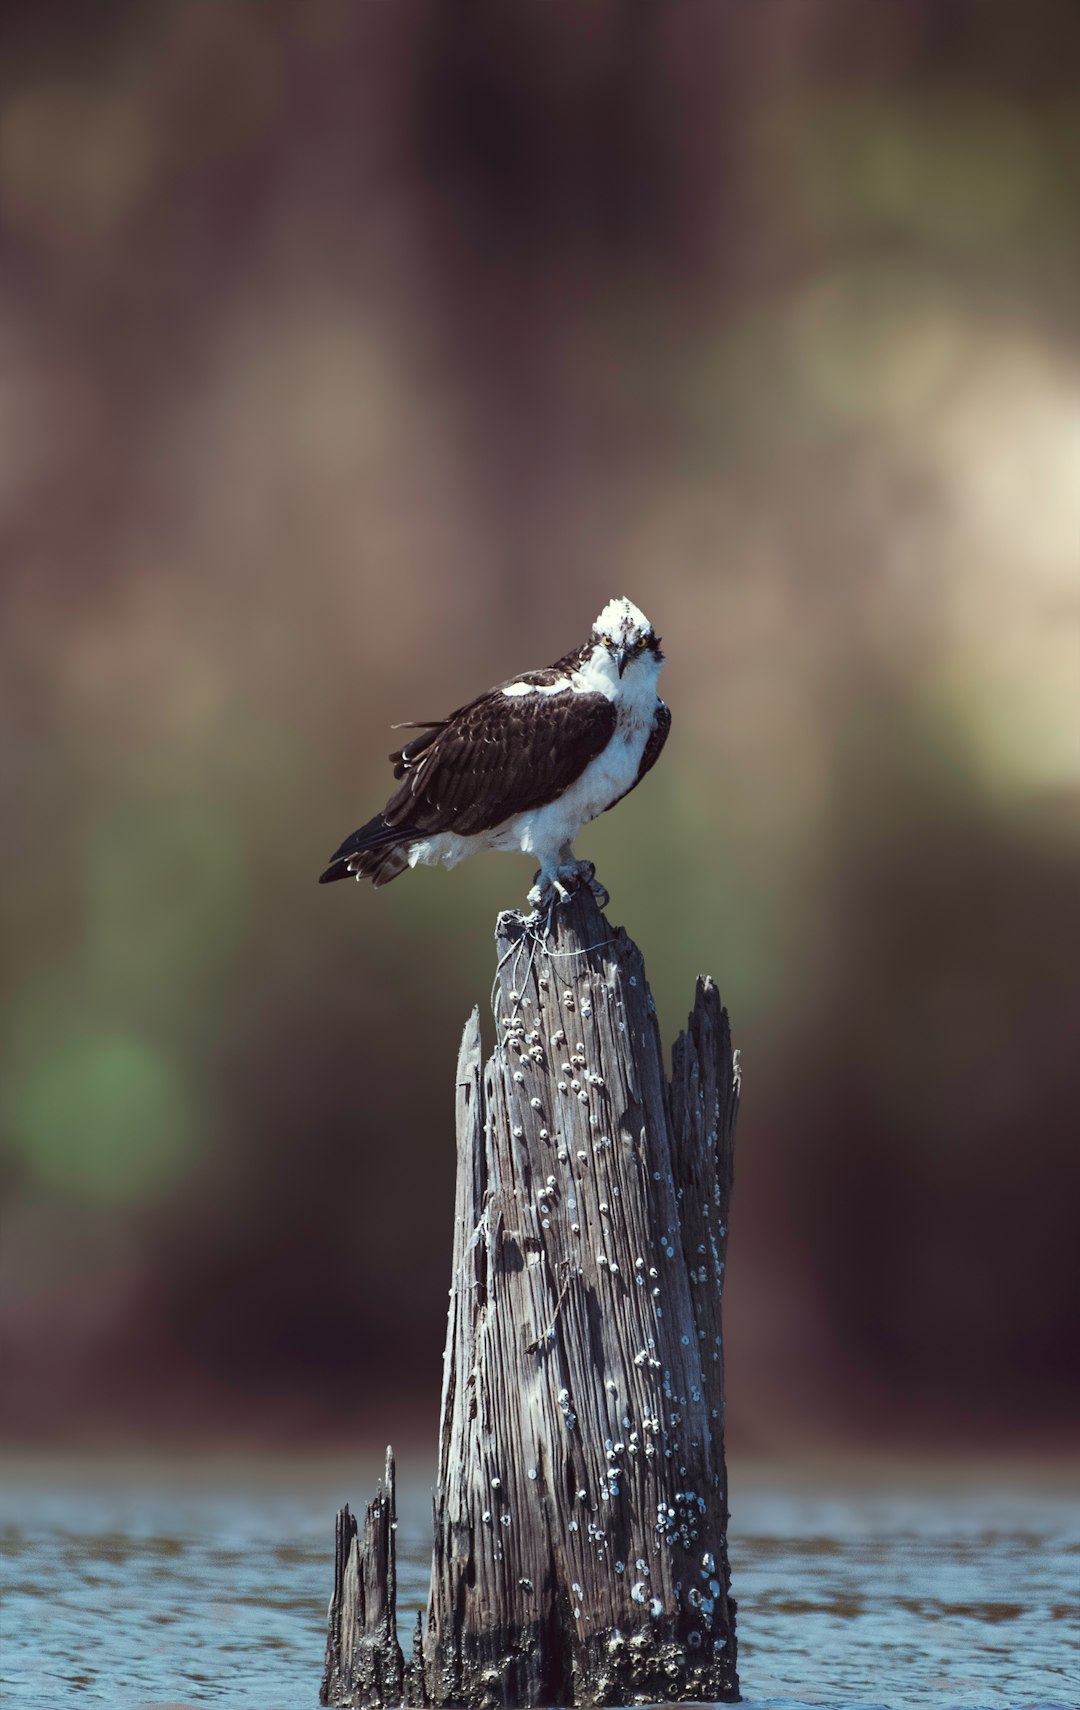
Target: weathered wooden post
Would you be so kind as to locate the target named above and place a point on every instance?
(364, 1664)
(581, 1508)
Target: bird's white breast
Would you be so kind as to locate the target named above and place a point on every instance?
(614, 769)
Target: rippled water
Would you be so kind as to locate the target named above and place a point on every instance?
(148, 1594)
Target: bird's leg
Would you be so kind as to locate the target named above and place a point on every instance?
(574, 873)
(568, 868)
(548, 891)
(544, 899)
(557, 881)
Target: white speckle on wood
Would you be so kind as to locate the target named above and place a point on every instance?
(531, 1325)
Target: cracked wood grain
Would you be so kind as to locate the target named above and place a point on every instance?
(364, 1664)
(580, 1552)
(581, 1512)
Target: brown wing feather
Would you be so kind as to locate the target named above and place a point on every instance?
(498, 756)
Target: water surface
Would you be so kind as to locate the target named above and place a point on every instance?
(151, 1591)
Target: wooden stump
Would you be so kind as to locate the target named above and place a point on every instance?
(364, 1664)
(581, 1508)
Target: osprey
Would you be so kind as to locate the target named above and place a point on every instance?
(524, 766)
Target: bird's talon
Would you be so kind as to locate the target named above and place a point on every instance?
(571, 876)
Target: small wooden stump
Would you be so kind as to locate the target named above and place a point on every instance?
(581, 1509)
(364, 1664)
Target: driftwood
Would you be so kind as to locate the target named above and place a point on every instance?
(581, 1509)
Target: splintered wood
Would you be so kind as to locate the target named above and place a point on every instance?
(581, 1508)
(364, 1664)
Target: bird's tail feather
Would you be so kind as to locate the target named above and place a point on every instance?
(377, 851)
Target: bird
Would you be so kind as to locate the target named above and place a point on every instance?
(524, 766)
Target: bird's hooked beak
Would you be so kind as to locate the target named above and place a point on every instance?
(623, 655)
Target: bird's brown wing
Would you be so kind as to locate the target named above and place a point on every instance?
(500, 755)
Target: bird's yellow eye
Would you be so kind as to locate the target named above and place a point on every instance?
(641, 642)
(607, 641)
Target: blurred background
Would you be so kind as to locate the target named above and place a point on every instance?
(352, 357)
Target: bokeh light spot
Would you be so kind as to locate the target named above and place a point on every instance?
(104, 1118)
(74, 162)
(961, 174)
(878, 344)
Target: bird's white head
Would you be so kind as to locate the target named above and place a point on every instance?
(627, 635)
